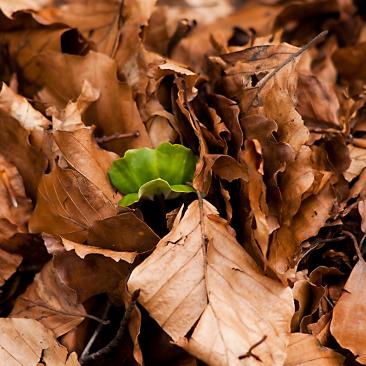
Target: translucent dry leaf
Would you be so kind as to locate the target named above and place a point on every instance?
(27, 342)
(221, 295)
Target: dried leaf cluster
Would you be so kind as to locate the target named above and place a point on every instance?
(263, 264)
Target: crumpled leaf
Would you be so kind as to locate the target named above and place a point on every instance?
(145, 173)
(48, 300)
(347, 324)
(27, 342)
(217, 294)
(304, 349)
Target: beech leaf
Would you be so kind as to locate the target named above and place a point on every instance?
(221, 298)
(145, 172)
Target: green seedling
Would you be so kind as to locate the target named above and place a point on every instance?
(166, 171)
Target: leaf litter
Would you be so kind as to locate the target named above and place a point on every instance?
(261, 260)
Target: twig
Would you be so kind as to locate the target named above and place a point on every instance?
(291, 58)
(97, 330)
(116, 136)
(202, 225)
(355, 243)
(114, 342)
(250, 350)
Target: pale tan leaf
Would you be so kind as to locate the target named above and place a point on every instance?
(69, 118)
(50, 302)
(223, 297)
(358, 162)
(348, 322)
(19, 108)
(8, 265)
(9, 7)
(82, 250)
(305, 350)
(27, 342)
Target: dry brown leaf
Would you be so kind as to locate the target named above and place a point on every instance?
(69, 119)
(347, 325)
(294, 183)
(310, 218)
(8, 7)
(350, 61)
(68, 205)
(15, 206)
(93, 275)
(137, 235)
(279, 104)
(222, 295)
(114, 112)
(98, 20)
(83, 250)
(82, 153)
(27, 342)
(8, 265)
(15, 144)
(358, 162)
(20, 109)
(305, 350)
(50, 302)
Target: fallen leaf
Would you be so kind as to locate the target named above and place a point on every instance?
(8, 265)
(8, 7)
(15, 206)
(114, 112)
(27, 342)
(212, 297)
(68, 205)
(50, 302)
(347, 325)
(82, 250)
(304, 349)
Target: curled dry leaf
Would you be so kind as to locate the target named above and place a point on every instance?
(8, 265)
(69, 119)
(347, 325)
(27, 342)
(82, 250)
(358, 162)
(221, 296)
(50, 302)
(15, 143)
(305, 350)
(19, 108)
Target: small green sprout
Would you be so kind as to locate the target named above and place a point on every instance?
(146, 173)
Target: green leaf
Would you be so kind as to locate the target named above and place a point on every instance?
(145, 173)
